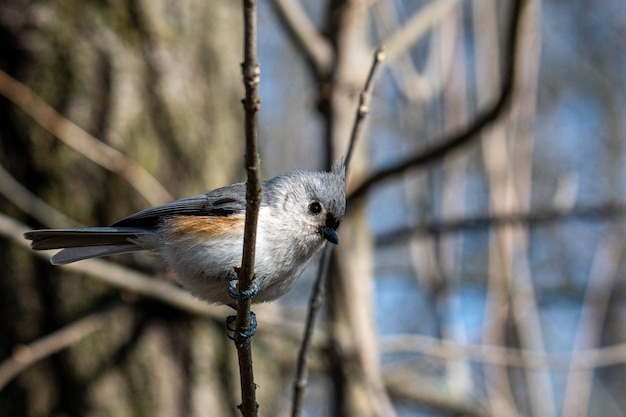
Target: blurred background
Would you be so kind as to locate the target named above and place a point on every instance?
(481, 264)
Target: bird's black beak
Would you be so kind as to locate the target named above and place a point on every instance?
(329, 234)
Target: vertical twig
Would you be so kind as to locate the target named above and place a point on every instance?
(251, 103)
(317, 295)
(509, 168)
(601, 281)
(315, 302)
(364, 102)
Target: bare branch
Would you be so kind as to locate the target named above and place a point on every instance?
(364, 102)
(406, 386)
(30, 203)
(416, 85)
(251, 103)
(317, 295)
(315, 303)
(24, 356)
(468, 135)
(81, 141)
(600, 284)
(599, 213)
(417, 26)
(313, 45)
(586, 359)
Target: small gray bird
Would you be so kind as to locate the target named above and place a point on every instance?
(201, 237)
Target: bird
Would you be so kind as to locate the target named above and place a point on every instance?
(200, 238)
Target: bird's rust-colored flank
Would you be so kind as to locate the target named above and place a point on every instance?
(199, 226)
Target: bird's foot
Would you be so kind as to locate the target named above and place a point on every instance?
(240, 337)
(237, 294)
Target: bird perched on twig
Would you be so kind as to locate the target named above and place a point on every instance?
(201, 237)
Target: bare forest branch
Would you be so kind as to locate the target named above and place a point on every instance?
(606, 212)
(30, 204)
(416, 27)
(408, 388)
(81, 141)
(364, 102)
(313, 45)
(600, 285)
(578, 360)
(317, 294)
(315, 303)
(251, 104)
(24, 356)
(422, 85)
(470, 134)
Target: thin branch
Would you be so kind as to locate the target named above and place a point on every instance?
(251, 103)
(23, 356)
(315, 303)
(407, 386)
(446, 349)
(507, 150)
(600, 284)
(469, 134)
(598, 213)
(364, 102)
(422, 85)
(30, 204)
(311, 43)
(81, 141)
(319, 286)
(417, 26)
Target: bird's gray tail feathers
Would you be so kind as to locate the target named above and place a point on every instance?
(89, 242)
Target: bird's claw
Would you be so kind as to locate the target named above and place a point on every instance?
(237, 294)
(240, 337)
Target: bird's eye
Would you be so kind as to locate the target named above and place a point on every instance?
(315, 207)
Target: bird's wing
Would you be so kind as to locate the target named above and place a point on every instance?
(136, 231)
(226, 201)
